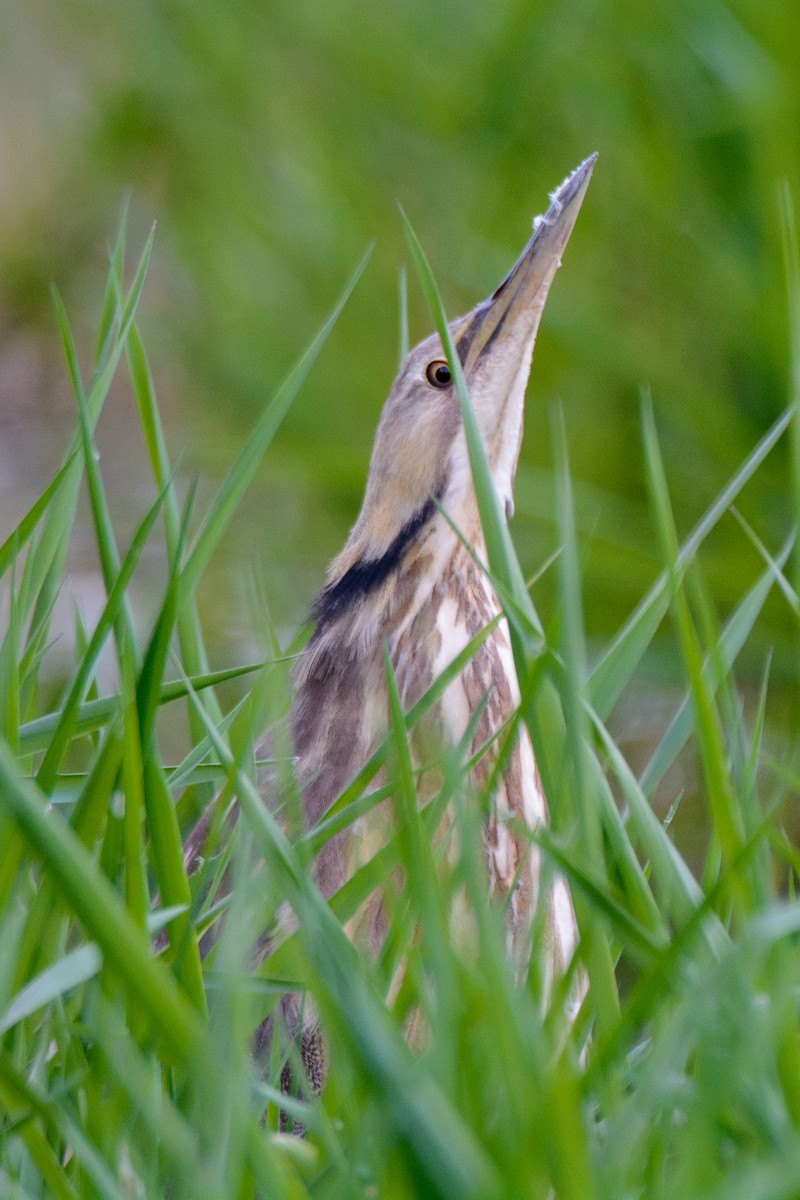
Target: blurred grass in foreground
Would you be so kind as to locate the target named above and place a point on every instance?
(125, 1072)
(272, 140)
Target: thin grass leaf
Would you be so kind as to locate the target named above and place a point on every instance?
(573, 649)
(402, 286)
(414, 841)
(681, 893)
(617, 664)
(170, 1130)
(109, 307)
(15, 541)
(10, 668)
(45, 561)
(137, 893)
(786, 589)
(502, 558)
(735, 634)
(68, 718)
(19, 1093)
(98, 906)
(721, 795)
(193, 652)
(35, 735)
(626, 927)
(68, 973)
(361, 1021)
(791, 260)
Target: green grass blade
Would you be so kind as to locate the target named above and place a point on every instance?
(791, 258)
(449, 1158)
(775, 567)
(580, 780)
(414, 843)
(63, 976)
(10, 653)
(737, 630)
(502, 558)
(23, 531)
(94, 901)
(402, 287)
(193, 652)
(721, 796)
(69, 716)
(35, 735)
(617, 664)
(110, 308)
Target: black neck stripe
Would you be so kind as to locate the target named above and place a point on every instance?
(368, 573)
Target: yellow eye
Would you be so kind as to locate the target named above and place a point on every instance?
(438, 373)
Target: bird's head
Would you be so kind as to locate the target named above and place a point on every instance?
(420, 449)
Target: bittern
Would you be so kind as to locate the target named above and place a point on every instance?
(406, 581)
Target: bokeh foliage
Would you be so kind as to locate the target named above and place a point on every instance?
(271, 140)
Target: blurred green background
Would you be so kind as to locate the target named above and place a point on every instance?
(270, 141)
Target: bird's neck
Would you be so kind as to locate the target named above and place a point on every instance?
(393, 597)
(431, 603)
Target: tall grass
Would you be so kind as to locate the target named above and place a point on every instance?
(127, 1063)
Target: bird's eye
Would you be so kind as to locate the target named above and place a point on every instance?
(438, 373)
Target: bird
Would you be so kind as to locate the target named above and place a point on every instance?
(408, 585)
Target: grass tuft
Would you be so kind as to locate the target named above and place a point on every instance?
(126, 1064)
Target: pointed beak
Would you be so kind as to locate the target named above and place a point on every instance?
(510, 317)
